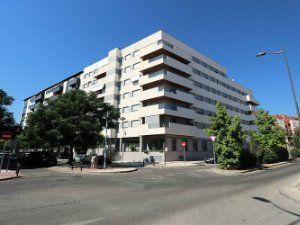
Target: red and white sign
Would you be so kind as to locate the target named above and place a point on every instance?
(183, 144)
(6, 135)
(213, 138)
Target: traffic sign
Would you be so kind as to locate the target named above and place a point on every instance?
(6, 135)
(183, 144)
(213, 138)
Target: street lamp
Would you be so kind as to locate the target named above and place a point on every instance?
(282, 51)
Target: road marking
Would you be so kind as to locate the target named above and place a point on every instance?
(85, 222)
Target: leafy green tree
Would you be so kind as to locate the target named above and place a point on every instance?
(236, 138)
(40, 131)
(270, 137)
(6, 118)
(252, 142)
(229, 138)
(74, 119)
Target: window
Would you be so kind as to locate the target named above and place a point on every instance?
(174, 143)
(126, 82)
(204, 145)
(87, 84)
(196, 60)
(125, 124)
(48, 92)
(96, 71)
(136, 93)
(135, 108)
(136, 82)
(126, 69)
(136, 65)
(135, 123)
(126, 95)
(195, 145)
(136, 53)
(126, 109)
(127, 57)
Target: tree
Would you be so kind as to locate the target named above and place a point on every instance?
(6, 118)
(252, 142)
(236, 138)
(40, 131)
(270, 137)
(74, 119)
(229, 138)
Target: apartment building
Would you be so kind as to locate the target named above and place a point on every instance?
(289, 124)
(165, 91)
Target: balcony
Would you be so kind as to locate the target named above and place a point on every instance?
(162, 47)
(32, 107)
(168, 76)
(53, 97)
(171, 128)
(57, 90)
(251, 100)
(39, 97)
(165, 62)
(73, 83)
(157, 92)
(166, 109)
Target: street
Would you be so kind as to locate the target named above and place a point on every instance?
(191, 195)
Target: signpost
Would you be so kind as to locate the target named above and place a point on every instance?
(213, 138)
(6, 135)
(183, 145)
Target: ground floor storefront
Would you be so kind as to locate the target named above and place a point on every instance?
(160, 148)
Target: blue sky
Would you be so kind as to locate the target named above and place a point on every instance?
(42, 42)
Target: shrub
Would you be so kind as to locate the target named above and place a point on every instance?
(282, 154)
(295, 153)
(269, 157)
(247, 159)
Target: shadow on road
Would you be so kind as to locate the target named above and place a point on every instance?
(264, 200)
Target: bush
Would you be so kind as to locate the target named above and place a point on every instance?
(295, 153)
(247, 159)
(282, 154)
(269, 156)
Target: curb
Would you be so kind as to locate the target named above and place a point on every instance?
(10, 178)
(125, 170)
(257, 169)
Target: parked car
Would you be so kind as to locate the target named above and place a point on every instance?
(38, 159)
(13, 159)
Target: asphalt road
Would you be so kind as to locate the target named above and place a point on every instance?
(150, 196)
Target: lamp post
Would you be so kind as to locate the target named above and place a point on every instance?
(282, 51)
(105, 141)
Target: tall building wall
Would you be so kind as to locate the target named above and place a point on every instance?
(165, 91)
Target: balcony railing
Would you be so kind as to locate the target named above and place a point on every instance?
(158, 92)
(165, 62)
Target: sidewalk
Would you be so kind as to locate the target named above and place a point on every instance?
(177, 164)
(251, 170)
(8, 175)
(67, 169)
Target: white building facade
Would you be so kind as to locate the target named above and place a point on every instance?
(165, 91)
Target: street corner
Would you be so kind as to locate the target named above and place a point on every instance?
(8, 175)
(87, 171)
